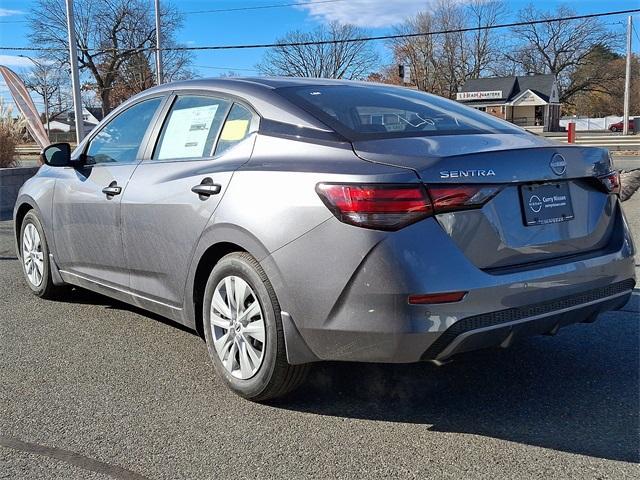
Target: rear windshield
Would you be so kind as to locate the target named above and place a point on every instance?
(374, 111)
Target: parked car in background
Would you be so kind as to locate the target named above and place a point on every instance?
(291, 221)
(618, 127)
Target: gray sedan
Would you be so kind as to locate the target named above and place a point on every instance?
(291, 221)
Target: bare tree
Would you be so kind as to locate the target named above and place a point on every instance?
(598, 84)
(452, 54)
(559, 47)
(353, 60)
(109, 33)
(486, 44)
(418, 53)
(52, 84)
(441, 63)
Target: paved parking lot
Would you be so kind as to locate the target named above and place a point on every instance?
(92, 388)
(626, 162)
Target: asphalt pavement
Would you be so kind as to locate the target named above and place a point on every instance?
(626, 162)
(91, 388)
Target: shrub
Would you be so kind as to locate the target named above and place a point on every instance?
(12, 131)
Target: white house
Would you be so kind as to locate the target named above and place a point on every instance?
(529, 101)
(65, 122)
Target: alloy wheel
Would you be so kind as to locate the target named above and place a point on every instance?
(32, 255)
(238, 327)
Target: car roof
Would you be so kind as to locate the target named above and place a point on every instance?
(259, 92)
(249, 83)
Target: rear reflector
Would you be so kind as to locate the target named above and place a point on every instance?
(611, 182)
(436, 298)
(393, 206)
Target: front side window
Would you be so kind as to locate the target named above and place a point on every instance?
(371, 112)
(120, 139)
(239, 125)
(191, 129)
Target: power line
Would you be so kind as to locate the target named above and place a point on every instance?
(408, 35)
(635, 32)
(235, 9)
(351, 40)
(261, 7)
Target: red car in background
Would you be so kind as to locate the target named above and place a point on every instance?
(617, 127)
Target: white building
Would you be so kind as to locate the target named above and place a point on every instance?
(65, 122)
(529, 101)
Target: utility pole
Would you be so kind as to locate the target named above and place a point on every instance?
(45, 94)
(75, 76)
(627, 81)
(158, 46)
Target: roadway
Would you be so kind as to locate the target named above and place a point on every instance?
(91, 388)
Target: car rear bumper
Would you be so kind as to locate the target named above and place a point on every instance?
(352, 306)
(410, 342)
(503, 327)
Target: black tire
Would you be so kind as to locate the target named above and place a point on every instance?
(46, 288)
(275, 376)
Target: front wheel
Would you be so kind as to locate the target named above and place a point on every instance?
(243, 330)
(34, 253)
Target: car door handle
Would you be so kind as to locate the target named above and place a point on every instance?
(112, 189)
(207, 188)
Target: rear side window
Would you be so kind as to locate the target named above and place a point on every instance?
(119, 140)
(191, 129)
(372, 112)
(240, 123)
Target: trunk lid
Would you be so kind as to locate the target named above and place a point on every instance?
(527, 168)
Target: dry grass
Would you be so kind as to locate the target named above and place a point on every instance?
(630, 181)
(12, 132)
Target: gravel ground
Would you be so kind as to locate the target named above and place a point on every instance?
(94, 389)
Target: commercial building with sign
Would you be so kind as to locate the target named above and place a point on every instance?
(529, 101)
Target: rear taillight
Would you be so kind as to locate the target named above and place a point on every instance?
(382, 207)
(447, 198)
(611, 182)
(392, 206)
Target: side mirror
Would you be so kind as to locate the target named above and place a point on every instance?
(57, 155)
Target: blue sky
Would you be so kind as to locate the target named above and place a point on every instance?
(266, 25)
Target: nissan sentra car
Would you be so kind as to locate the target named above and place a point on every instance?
(291, 221)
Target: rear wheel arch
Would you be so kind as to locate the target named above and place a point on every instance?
(273, 376)
(211, 256)
(215, 242)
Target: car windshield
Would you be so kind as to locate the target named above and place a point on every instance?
(375, 111)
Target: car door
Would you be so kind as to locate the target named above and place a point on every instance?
(86, 206)
(174, 192)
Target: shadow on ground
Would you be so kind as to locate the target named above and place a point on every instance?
(577, 392)
(81, 296)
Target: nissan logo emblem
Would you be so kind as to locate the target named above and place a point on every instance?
(535, 204)
(558, 164)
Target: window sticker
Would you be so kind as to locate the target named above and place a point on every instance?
(187, 131)
(234, 130)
